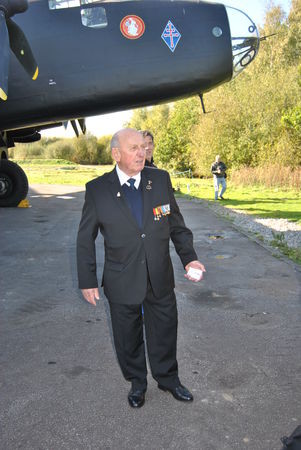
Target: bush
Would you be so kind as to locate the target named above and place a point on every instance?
(62, 149)
(31, 150)
(104, 150)
(85, 150)
(268, 176)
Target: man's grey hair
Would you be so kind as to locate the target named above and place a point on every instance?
(115, 140)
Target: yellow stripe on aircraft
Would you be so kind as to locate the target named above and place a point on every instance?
(35, 76)
(3, 96)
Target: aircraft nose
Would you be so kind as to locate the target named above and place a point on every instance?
(245, 39)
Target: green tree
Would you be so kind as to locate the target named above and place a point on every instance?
(138, 119)
(245, 126)
(154, 119)
(291, 121)
(272, 50)
(293, 45)
(174, 146)
(104, 150)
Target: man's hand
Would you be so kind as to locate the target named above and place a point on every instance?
(91, 295)
(194, 265)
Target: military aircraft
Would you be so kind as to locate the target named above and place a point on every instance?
(64, 60)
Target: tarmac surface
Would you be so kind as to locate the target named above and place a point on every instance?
(239, 344)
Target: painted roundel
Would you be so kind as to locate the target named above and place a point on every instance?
(132, 27)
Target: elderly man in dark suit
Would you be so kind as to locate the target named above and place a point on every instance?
(135, 210)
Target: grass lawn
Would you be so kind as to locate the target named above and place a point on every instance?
(58, 171)
(257, 200)
(260, 201)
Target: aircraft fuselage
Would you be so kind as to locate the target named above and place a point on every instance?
(86, 71)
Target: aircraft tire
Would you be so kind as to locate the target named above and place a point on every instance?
(13, 183)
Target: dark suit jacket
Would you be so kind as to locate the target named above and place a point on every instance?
(131, 253)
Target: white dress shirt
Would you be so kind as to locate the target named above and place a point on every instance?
(123, 177)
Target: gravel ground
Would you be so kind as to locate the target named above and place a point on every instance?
(269, 229)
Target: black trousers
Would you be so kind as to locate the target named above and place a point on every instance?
(161, 323)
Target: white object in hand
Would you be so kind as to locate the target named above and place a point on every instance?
(196, 274)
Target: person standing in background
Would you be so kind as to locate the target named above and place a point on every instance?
(149, 148)
(218, 170)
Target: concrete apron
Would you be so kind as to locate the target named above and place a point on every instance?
(239, 348)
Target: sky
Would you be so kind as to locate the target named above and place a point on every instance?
(110, 123)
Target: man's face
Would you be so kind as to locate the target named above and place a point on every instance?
(130, 155)
(149, 147)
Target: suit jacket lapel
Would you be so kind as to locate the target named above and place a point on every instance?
(147, 187)
(119, 198)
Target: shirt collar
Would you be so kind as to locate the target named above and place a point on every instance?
(123, 177)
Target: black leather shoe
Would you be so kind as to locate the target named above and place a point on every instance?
(136, 398)
(180, 393)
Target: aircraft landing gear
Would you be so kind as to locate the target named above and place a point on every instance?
(13, 183)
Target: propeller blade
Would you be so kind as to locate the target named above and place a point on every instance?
(4, 57)
(82, 124)
(21, 48)
(74, 126)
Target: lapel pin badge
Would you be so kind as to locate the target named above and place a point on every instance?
(149, 187)
(118, 194)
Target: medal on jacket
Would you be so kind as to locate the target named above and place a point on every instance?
(157, 213)
(160, 211)
(149, 187)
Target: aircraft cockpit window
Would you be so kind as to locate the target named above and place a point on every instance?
(94, 17)
(87, 2)
(60, 4)
(245, 39)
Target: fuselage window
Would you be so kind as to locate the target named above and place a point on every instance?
(94, 17)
